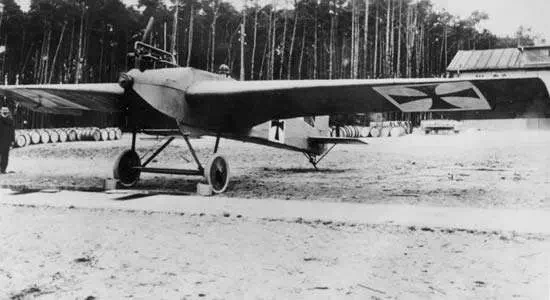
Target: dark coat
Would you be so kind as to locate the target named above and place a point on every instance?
(7, 132)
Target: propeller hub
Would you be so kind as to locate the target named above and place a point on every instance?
(125, 81)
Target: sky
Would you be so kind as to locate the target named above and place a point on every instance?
(505, 16)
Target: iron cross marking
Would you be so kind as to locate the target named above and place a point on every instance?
(280, 125)
(437, 100)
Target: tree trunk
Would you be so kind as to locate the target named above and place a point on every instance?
(315, 46)
(366, 41)
(254, 43)
(173, 44)
(268, 42)
(80, 42)
(407, 38)
(352, 45)
(289, 66)
(272, 53)
(213, 43)
(243, 24)
(331, 41)
(69, 62)
(399, 39)
(47, 60)
(302, 53)
(102, 45)
(355, 40)
(392, 40)
(357, 43)
(387, 55)
(190, 38)
(375, 59)
(57, 51)
(39, 65)
(26, 61)
(260, 74)
(283, 46)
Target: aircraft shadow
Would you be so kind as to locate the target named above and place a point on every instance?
(135, 196)
(305, 170)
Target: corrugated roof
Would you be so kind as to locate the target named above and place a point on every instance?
(494, 59)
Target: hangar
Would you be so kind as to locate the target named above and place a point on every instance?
(520, 61)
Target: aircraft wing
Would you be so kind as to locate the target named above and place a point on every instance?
(240, 104)
(69, 99)
(335, 140)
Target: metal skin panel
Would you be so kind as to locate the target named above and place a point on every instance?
(164, 89)
(67, 99)
(234, 106)
(294, 134)
(214, 104)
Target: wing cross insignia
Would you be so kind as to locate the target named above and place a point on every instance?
(448, 96)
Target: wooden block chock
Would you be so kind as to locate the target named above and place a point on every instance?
(204, 189)
(110, 184)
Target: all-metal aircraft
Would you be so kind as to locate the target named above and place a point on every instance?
(279, 113)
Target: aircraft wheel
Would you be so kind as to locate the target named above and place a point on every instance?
(217, 173)
(124, 168)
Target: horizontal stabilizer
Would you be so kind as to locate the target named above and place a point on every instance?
(335, 140)
(163, 132)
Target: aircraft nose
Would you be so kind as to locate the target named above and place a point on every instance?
(125, 81)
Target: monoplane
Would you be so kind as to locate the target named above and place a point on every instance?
(288, 114)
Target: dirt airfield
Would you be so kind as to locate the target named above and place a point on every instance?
(57, 252)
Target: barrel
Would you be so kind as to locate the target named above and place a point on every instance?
(365, 132)
(27, 134)
(397, 131)
(35, 136)
(44, 136)
(62, 135)
(20, 139)
(104, 135)
(80, 134)
(333, 131)
(54, 137)
(95, 134)
(358, 131)
(118, 133)
(375, 132)
(385, 131)
(341, 132)
(112, 134)
(71, 135)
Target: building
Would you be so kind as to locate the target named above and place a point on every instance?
(501, 63)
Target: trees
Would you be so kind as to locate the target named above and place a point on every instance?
(88, 40)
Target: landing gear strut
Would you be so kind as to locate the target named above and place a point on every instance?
(128, 166)
(314, 160)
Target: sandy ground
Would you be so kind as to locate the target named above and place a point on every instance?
(472, 169)
(103, 253)
(64, 253)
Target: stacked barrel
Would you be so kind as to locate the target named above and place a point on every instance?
(25, 137)
(376, 129)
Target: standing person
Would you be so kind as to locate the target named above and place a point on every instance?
(7, 135)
